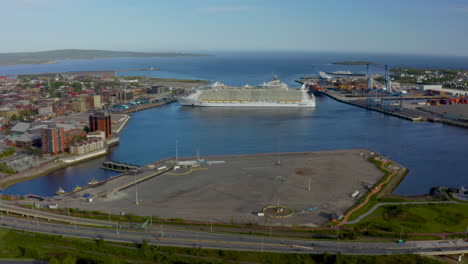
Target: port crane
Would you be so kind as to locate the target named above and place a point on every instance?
(372, 99)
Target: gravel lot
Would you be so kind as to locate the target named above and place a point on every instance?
(241, 187)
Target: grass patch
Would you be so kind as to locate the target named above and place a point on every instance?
(418, 218)
(56, 249)
(7, 153)
(373, 200)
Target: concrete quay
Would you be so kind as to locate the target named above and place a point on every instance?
(235, 189)
(412, 114)
(405, 114)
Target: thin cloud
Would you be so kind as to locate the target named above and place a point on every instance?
(222, 9)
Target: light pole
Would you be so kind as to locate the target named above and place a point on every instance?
(262, 245)
(136, 194)
(136, 186)
(278, 201)
(177, 152)
(338, 237)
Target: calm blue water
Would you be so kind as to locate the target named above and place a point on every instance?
(436, 154)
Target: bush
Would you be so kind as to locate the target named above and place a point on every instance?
(29, 252)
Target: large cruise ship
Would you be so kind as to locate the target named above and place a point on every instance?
(270, 94)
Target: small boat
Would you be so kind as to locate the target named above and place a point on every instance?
(92, 182)
(60, 191)
(77, 188)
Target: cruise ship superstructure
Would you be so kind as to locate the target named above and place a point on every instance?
(270, 94)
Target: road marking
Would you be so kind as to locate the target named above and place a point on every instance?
(185, 173)
(225, 242)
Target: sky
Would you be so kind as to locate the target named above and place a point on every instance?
(438, 27)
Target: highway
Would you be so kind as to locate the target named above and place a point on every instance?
(160, 235)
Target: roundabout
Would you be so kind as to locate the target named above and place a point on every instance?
(278, 211)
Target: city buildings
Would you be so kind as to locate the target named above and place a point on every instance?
(87, 146)
(100, 121)
(79, 106)
(94, 102)
(53, 140)
(8, 112)
(125, 95)
(44, 110)
(97, 134)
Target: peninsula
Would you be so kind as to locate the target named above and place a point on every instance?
(45, 57)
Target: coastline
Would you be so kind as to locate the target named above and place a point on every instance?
(53, 165)
(29, 63)
(42, 170)
(53, 56)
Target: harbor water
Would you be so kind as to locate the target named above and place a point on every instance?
(435, 154)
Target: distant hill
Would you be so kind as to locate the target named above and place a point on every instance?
(44, 57)
(354, 63)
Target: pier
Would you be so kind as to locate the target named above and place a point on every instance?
(404, 113)
(118, 166)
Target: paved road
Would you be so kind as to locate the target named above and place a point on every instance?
(357, 220)
(184, 238)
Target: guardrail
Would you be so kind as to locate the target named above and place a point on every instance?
(447, 252)
(53, 217)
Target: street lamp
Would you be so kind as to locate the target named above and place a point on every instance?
(136, 187)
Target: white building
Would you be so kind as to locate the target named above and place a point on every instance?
(44, 110)
(96, 134)
(439, 88)
(434, 87)
(86, 146)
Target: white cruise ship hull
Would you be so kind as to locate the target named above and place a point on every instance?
(189, 102)
(236, 98)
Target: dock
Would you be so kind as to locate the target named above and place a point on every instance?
(119, 166)
(404, 113)
(227, 188)
(407, 114)
(147, 106)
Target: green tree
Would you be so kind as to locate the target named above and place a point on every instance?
(9, 152)
(34, 151)
(86, 129)
(77, 87)
(14, 117)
